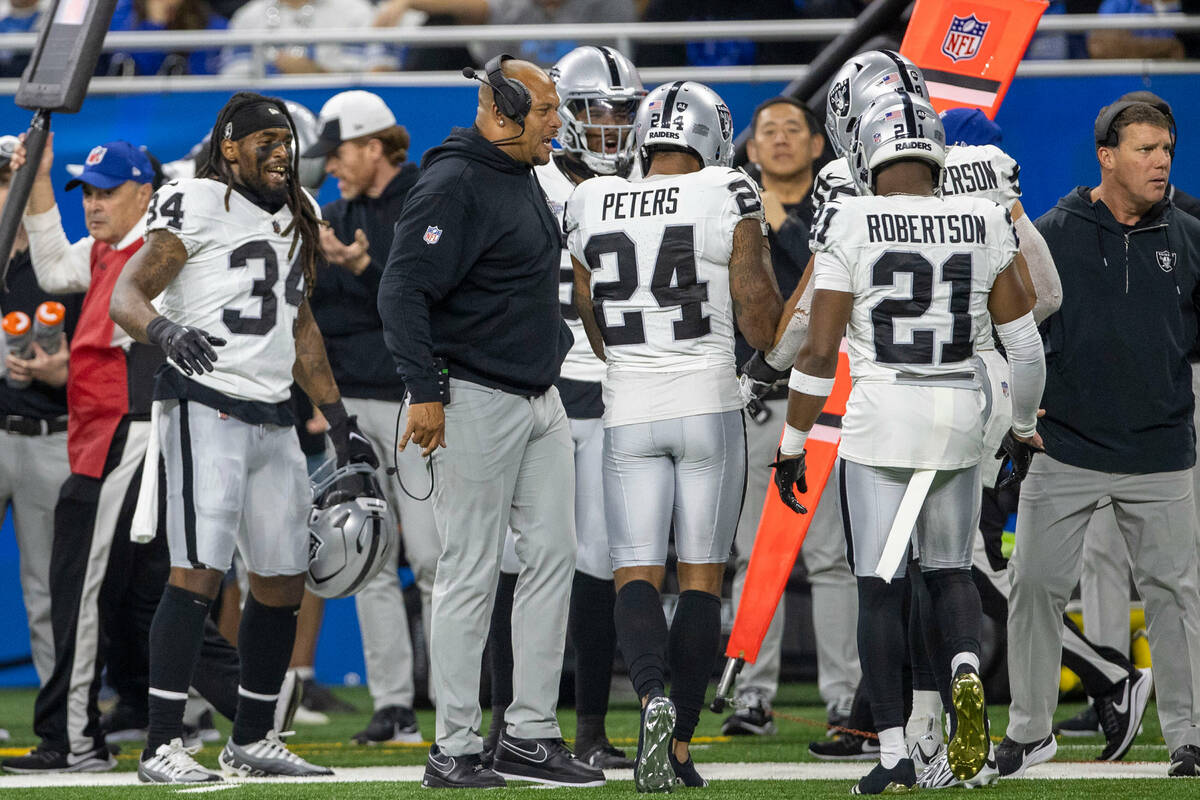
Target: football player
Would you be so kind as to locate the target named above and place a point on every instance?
(228, 256)
(916, 277)
(664, 268)
(599, 90)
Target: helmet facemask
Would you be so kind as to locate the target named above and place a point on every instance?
(598, 131)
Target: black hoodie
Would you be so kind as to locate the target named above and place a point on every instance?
(344, 303)
(1118, 392)
(473, 274)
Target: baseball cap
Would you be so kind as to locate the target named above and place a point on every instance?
(969, 126)
(109, 165)
(349, 115)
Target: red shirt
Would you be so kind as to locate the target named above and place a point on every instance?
(97, 383)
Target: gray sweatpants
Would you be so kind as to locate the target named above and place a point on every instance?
(1156, 516)
(387, 643)
(508, 460)
(32, 470)
(834, 591)
(1104, 583)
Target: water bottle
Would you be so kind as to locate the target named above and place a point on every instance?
(48, 325)
(18, 335)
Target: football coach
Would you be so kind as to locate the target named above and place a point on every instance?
(470, 309)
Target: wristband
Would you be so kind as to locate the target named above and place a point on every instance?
(793, 441)
(334, 413)
(810, 384)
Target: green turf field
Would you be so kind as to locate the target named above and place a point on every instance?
(799, 715)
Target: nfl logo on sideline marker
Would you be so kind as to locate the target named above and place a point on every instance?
(964, 37)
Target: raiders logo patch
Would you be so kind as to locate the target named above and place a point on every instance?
(1166, 259)
(314, 546)
(839, 98)
(726, 120)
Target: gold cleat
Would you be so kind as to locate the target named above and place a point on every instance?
(968, 750)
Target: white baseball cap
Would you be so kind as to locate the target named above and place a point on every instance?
(349, 115)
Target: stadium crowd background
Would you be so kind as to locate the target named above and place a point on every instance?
(1047, 123)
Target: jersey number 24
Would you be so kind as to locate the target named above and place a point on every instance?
(676, 259)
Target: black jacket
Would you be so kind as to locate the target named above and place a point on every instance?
(473, 274)
(344, 303)
(1118, 384)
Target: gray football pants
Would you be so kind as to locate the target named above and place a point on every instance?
(834, 591)
(1104, 584)
(1156, 517)
(508, 460)
(382, 620)
(32, 470)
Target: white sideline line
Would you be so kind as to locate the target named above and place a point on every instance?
(739, 771)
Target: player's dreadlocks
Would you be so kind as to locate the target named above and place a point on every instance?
(305, 225)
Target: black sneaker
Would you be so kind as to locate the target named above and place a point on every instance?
(546, 761)
(1085, 723)
(1120, 712)
(685, 773)
(1185, 762)
(752, 718)
(1013, 757)
(458, 772)
(883, 780)
(316, 697)
(390, 724)
(846, 747)
(124, 723)
(601, 754)
(41, 759)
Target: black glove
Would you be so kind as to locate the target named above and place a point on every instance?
(348, 441)
(1016, 455)
(759, 377)
(790, 471)
(190, 348)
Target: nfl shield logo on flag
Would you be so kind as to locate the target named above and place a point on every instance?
(964, 37)
(96, 156)
(432, 234)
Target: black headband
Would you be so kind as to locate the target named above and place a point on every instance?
(254, 118)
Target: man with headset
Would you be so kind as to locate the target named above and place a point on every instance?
(1115, 428)
(470, 309)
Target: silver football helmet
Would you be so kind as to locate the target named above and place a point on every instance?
(896, 126)
(685, 115)
(860, 80)
(349, 538)
(599, 91)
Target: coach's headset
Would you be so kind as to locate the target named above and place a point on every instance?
(510, 95)
(1106, 135)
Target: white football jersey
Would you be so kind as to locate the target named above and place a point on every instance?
(920, 270)
(239, 283)
(581, 363)
(658, 250)
(977, 170)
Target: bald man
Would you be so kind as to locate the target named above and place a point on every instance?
(470, 310)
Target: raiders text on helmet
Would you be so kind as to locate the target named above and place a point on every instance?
(685, 115)
(860, 80)
(896, 126)
(599, 91)
(349, 538)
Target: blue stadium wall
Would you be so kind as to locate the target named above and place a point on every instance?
(1047, 126)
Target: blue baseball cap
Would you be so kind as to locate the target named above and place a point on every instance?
(109, 165)
(970, 126)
